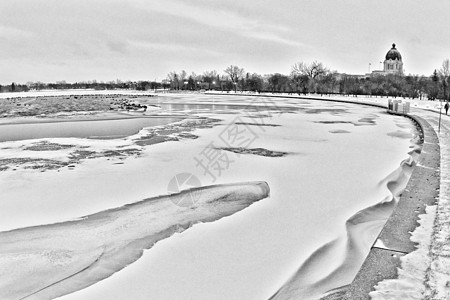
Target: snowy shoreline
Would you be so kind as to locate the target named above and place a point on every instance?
(422, 270)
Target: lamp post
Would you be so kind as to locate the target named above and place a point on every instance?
(369, 66)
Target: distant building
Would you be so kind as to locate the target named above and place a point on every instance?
(393, 63)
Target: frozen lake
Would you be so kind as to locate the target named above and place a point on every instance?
(337, 160)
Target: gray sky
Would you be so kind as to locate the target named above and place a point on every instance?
(74, 40)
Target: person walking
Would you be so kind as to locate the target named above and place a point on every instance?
(446, 107)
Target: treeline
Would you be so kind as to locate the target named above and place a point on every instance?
(305, 78)
(62, 85)
(315, 78)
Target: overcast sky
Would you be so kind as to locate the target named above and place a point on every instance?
(75, 40)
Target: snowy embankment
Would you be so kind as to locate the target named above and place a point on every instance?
(425, 272)
(333, 160)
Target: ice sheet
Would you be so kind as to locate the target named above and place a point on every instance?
(338, 156)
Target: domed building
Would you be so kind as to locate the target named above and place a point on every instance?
(393, 63)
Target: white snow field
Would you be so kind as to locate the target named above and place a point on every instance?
(333, 170)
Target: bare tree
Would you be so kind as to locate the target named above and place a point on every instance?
(235, 74)
(212, 74)
(183, 78)
(173, 79)
(304, 75)
(299, 68)
(311, 70)
(444, 73)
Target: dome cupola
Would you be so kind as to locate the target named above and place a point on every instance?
(393, 54)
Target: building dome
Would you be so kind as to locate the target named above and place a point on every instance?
(393, 54)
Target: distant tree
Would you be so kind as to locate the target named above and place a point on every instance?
(435, 79)
(198, 79)
(305, 76)
(411, 86)
(183, 79)
(235, 73)
(300, 68)
(183, 75)
(221, 80)
(13, 87)
(191, 83)
(279, 83)
(328, 82)
(312, 70)
(255, 82)
(145, 85)
(444, 73)
(172, 77)
(300, 82)
(422, 83)
(209, 77)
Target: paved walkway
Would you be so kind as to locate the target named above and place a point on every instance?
(438, 275)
